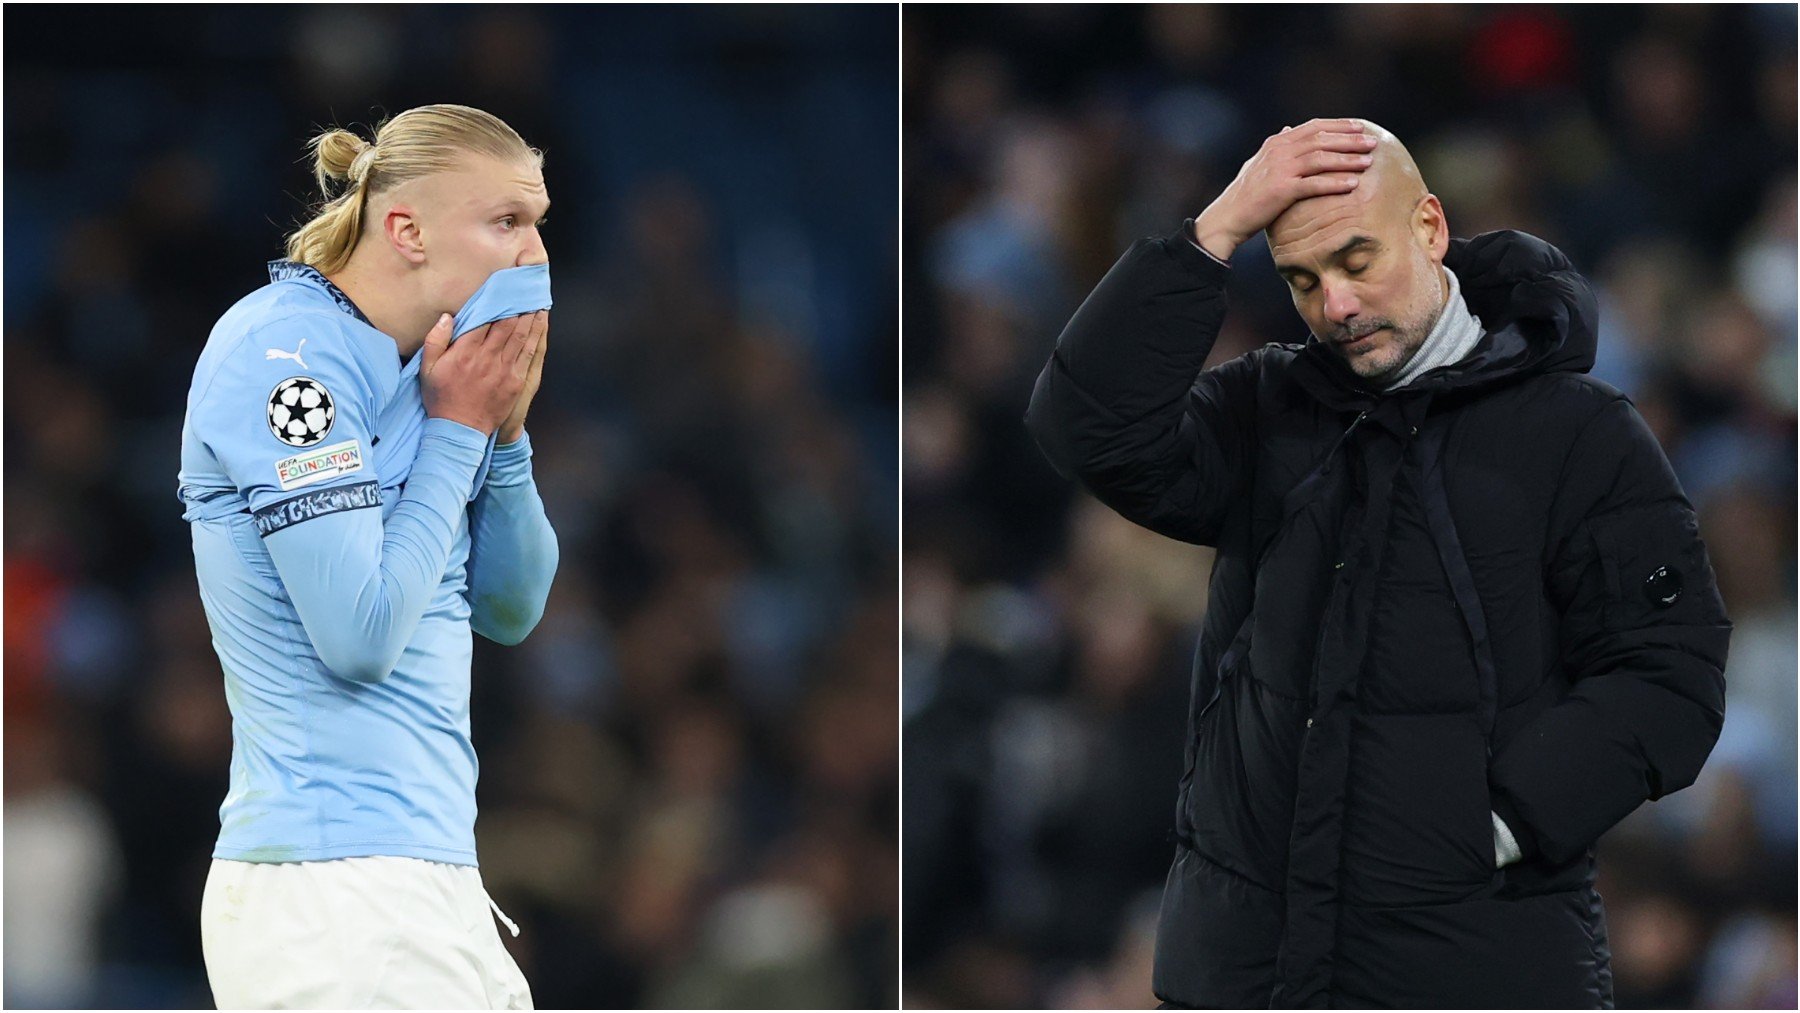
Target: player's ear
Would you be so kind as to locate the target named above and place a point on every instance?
(400, 227)
(1430, 229)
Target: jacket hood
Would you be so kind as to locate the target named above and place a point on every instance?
(1537, 316)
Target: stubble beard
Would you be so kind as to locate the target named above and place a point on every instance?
(1386, 361)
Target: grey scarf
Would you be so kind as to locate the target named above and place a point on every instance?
(1451, 338)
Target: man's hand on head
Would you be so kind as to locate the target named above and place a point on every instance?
(1316, 158)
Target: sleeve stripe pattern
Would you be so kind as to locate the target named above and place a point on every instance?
(317, 503)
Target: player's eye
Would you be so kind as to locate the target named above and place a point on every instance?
(508, 222)
(541, 222)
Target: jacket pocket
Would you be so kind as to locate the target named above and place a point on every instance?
(1208, 687)
(1236, 656)
(1417, 824)
(1239, 808)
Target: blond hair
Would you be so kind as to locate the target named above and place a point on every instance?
(416, 143)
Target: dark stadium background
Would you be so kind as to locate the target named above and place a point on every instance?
(688, 784)
(1046, 641)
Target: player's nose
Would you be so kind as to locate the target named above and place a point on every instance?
(533, 251)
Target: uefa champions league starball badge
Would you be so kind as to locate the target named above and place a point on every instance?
(300, 411)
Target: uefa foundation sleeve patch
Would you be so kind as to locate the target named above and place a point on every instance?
(317, 503)
(319, 465)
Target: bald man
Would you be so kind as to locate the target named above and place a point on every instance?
(1460, 620)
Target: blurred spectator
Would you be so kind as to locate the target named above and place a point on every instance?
(64, 870)
(1046, 642)
(688, 783)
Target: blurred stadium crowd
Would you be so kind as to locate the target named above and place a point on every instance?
(689, 783)
(1047, 642)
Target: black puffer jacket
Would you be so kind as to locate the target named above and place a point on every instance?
(1485, 591)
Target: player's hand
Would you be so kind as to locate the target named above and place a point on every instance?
(1316, 158)
(514, 426)
(477, 380)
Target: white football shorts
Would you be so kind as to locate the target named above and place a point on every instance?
(355, 933)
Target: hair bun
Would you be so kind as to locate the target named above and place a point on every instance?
(336, 156)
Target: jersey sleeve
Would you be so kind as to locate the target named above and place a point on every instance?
(512, 552)
(288, 414)
(358, 585)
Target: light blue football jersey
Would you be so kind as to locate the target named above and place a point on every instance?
(347, 548)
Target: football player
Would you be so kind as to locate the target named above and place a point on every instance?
(356, 473)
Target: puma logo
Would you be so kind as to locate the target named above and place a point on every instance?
(276, 353)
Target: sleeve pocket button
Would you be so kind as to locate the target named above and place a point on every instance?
(1663, 586)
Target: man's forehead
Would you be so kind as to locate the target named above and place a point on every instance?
(528, 190)
(1318, 225)
(520, 179)
(481, 181)
(527, 177)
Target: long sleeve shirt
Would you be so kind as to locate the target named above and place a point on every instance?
(347, 548)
